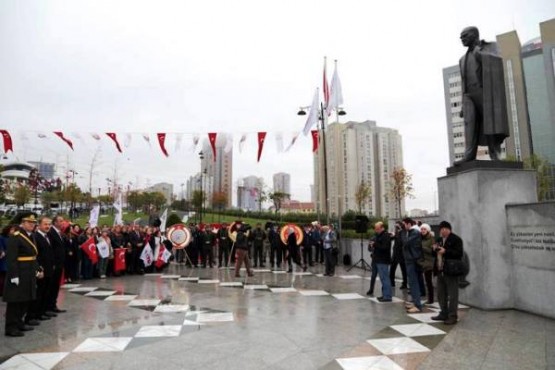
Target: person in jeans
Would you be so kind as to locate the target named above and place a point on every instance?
(382, 259)
(330, 240)
(412, 249)
(450, 247)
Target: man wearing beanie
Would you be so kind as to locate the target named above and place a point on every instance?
(450, 247)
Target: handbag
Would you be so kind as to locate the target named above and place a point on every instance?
(454, 268)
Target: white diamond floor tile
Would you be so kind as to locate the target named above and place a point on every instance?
(70, 286)
(302, 273)
(231, 283)
(369, 362)
(204, 317)
(208, 281)
(319, 275)
(152, 275)
(103, 344)
(313, 292)
(188, 322)
(396, 346)
(436, 305)
(350, 277)
(101, 293)
(424, 317)
(171, 276)
(345, 296)
(279, 272)
(120, 297)
(189, 279)
(192, 313)
(417, 330)
(83, 289)
(172, 308)
(144, 302)
(34, 361)
(150, 331)
(256, 287)
(283, 290)
(262, 270)
(393, 300)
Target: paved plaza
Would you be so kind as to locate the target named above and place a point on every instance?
(207, 319)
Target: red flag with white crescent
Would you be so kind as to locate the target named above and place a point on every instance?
(261, 138)
(113, 136)
(89, 247)
(65, 139)
(315, 140)
(162, 142)
(119, 259)
(212, 139)
(7, 139)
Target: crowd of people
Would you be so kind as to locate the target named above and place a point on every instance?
(38, 255)
(421, 257)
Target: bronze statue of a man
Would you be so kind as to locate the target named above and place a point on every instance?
(484, 105)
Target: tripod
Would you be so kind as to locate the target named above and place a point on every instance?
(363, 264)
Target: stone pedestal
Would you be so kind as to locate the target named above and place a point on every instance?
(473, 200)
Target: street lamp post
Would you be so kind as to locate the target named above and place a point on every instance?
(201, 156)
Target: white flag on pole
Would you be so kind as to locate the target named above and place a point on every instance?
(312, 114)
(93, 217)
(147, 256)
(163, 220)
(336, 93)
(118, 207)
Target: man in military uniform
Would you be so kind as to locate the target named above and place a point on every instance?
(257, 236)
(208, 241)
(223, 245)
(22, 274)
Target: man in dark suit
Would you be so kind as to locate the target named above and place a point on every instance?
(484, 102)
(450, 247)
(58, 245)
(22, 274)
(45, 259)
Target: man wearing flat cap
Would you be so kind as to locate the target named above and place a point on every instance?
(22, 274)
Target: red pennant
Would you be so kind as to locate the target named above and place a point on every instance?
(119, 259)
(261, 138)
(113, 136)
(315, 140)
(89, 247)
(212, 138)
(8, 145)
(162, 142)
(65, 139)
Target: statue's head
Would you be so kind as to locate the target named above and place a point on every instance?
(470, 36)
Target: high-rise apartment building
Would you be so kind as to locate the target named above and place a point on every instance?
(248, 193)
(358, 152)
(282, 182)
(219, 171)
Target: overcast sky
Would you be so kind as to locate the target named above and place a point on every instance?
(232, 66)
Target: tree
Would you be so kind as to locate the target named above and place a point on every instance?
(135, 200)
(401, 187)
(157, 199)
(3, 187)
(541, 166)
(21, 195)
(173, 219)
(362, 194)
(277, 198)
(219, 200)
(198, 198)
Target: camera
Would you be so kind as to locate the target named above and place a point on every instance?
(245, 227)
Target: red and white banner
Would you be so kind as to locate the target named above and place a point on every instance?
(162, 142)
(261, 139)
(212, 138)
(114, 137)
(119, 259)
(89, 248)
(65, 139)
(315, 140)
(7, 139)
(147, 256)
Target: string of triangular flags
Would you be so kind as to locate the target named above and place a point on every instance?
(116, 139)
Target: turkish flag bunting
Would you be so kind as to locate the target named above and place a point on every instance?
(261, 138)
(314, 140)
(113, 136)
(65, 139)
(7, 141)
(89, 247)
(162, 142)
(212, 138)
(119, 259)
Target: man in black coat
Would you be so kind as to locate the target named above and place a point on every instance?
(382, 258)
(22, 274)
(45, 259)
(450, 248)
(59, 246)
